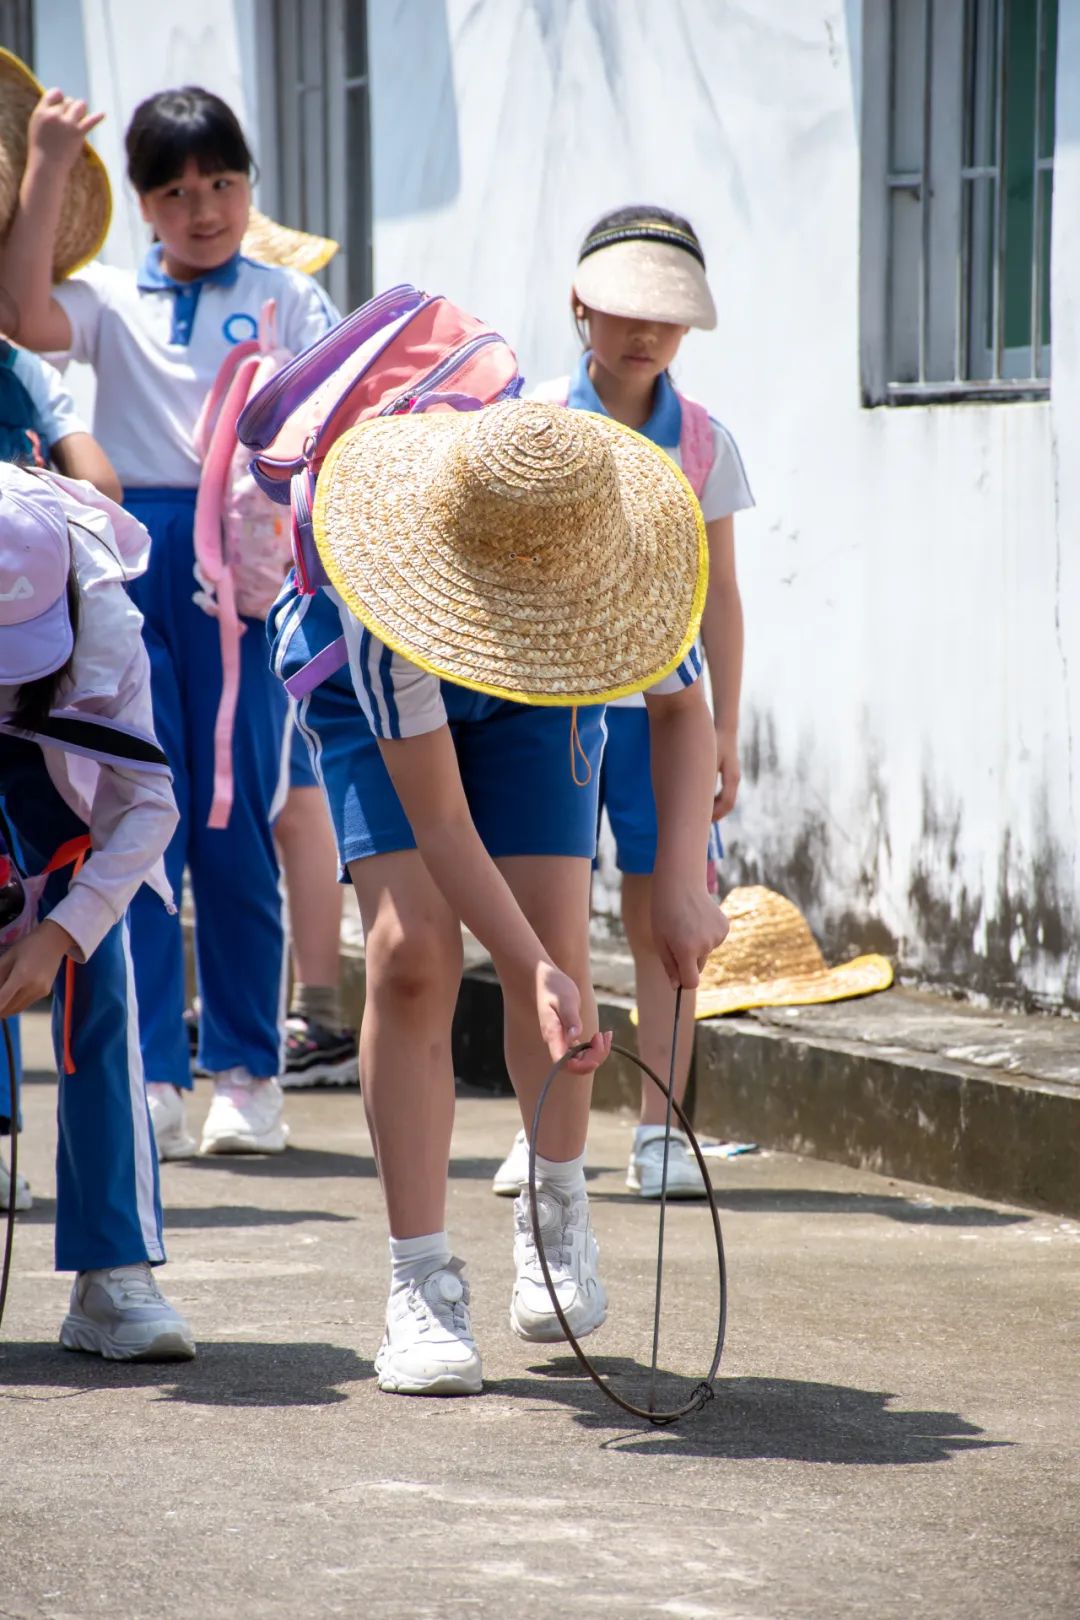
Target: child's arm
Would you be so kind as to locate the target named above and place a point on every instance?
(78, 455)
(58, 127)
(425, 774)
(132, 818)
(722, 638)
(687, 924)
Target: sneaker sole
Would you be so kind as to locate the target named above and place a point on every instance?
(345, 1073)
(548, 1329)
(508, 1189)
(82, 1334)
(697, 1191)
(184, 1147)
(444, 1383)
(240, 1142)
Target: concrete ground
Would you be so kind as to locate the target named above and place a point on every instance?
(895, 1430)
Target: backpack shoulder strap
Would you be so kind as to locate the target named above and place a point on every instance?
(697, 449)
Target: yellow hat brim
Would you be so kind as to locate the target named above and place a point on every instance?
(376, 536)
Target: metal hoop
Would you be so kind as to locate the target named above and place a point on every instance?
(704, 1391)
(9, 1235)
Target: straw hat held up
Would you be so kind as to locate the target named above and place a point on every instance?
(84, 218)
(527, 551)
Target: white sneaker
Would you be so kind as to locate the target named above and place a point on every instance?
(646, 1167)
(245, 1115)
(572, 1254)
(513, 1173)
(23, 1197)
(168, 1116)
(121, 1314)
(428, 1348)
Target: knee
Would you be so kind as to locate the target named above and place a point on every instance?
(411, 963)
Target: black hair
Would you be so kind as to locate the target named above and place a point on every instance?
(637, 222)
(169, 128)
(634, 221)
(37, 699)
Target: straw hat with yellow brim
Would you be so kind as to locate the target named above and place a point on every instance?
(526, 551)
(771, 959)
(645, 269)
(87, 207)
(271, 243)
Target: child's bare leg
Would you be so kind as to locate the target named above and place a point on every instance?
(553, 892)
(656, 1002)
(413, 965)
(305, 841)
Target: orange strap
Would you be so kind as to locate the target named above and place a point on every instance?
(73, 853)
(577, 752)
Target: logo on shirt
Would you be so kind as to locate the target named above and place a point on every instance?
(21, 591)
(239, 326)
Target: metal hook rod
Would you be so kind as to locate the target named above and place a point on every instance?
(663, 1201)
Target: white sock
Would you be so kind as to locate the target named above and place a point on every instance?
(561, 1175)
(411, 1257)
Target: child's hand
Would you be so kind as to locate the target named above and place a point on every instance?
(28, 969)
(58, 126)
(687, 926)
(558, 1006)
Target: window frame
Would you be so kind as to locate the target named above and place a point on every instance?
(945, 317)
(308, 177)
(17, 29)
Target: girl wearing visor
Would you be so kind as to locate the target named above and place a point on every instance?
(86, 811)
(639, 287)
(499, 576)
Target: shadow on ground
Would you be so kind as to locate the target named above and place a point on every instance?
(807, 1201)
(237, 1374)
(753, 1418)
(178, 1220)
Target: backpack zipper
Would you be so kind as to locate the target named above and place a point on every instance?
(259, 422)
(439, 374)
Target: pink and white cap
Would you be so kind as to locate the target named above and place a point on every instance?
(36, 637)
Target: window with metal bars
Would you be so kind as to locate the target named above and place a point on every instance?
(17, 29)
(957, 194)
(315, 150)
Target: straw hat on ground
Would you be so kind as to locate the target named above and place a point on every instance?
(644, 267)
(271, 243)
(524, 550)
(84, 218)
(771, 959)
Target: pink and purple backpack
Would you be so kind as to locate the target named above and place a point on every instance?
(266, 428)
(403, 351)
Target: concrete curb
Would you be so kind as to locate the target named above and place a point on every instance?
(916, 1116)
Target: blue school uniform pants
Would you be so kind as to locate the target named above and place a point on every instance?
(108, 1205)
(239, 937)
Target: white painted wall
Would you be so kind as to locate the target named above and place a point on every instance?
(912, 577)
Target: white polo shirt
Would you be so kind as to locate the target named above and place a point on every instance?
(157, 344)
(54, 405)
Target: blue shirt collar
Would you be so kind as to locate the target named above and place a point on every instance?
(664, 426)
(152, 278)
